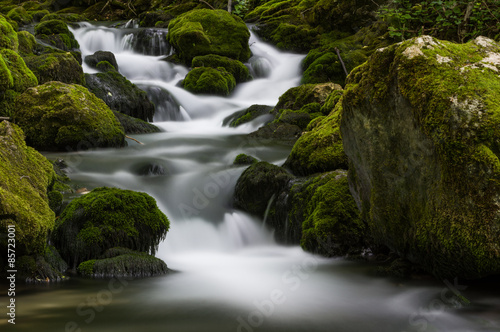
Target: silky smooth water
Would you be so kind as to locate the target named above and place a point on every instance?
(230, 274)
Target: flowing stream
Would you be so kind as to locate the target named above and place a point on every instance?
(231, 275)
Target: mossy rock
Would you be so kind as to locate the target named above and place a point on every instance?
(420, 125)
(94, 59)
(243, 159)
(66, 117)
(25, 176)
(20, 15)
(331, 223)
(298, 97)
(133, 125)
(22, 77)
(62, 67)
(27, 43)
(205, 31)
(239, 71)
(319, 150)
(257, 185)
(207, 80)
(122, 262)
(284, 133)
(56, 33)
(36, 269)
(120, 94)
(251, 113)
(107, 218)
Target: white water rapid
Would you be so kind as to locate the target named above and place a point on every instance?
(231, 275)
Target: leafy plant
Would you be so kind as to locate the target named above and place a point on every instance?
(457, 20)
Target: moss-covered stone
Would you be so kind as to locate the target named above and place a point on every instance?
(8, 36)
(20, 15)
(65, 117)
(120, 94)
(61, 67)
(207, 80)
(250, 114)
(122, 262)
(420, 124)
(100, 56)
(243, 159)
(25, 176)
(257, 185)
(22, 77)
(27, 43)
(239, 71)
(319, 150)
(56, 33)
(107, 218)
(204, 31)
(298, 97)
(331, 224)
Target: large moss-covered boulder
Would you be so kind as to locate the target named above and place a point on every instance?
(27, 43)
(205, 31)
(22, 77)
(207, 80)
(119, 93)
(25, 176)
(8, 36)
(63, 117)
(20, 15)
(123, 262)
(106, 218)
(421, 127)
(61, 67)
(235, 67)
(56, 33)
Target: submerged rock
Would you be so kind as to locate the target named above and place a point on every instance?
(421, 127)
(205, 31)
(61, 117)
(107, 218)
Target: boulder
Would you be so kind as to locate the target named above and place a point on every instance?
(420, 124)
(56, 33)
(206, 31)
(106, 218)
(249, 114)
(94, 59)
(62, 67)
(236, 68)
(25, 176)
(8, 36)
(119, 93)
(207, 80)
(65, 117)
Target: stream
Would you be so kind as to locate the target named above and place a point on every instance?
(230, 274)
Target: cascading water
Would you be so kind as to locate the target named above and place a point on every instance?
(232, 276)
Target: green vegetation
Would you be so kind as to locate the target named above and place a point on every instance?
(61, 67)
(65, 117)
(243, 159)
(56, 33)
(458, 20)
(107, 218)
(234, 67)
(207, 80)
(205, 31)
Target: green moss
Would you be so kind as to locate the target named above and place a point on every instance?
(20, 15)
(8, 36)
(133, 125)
(106, 218)
(235, 67)
(206, 80)
(55, 201)
(298, 97)
(58, 116)
(250, 114)
(6, 80)
(25, 176)
(332, 226)
(204, 31)
(27, 43)
(104, 66)
(23, 78)
(243, 159)
(56, 33)
(61, 67)
(444, 215)
(127, 264)
(39, 14)
(321, 149)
